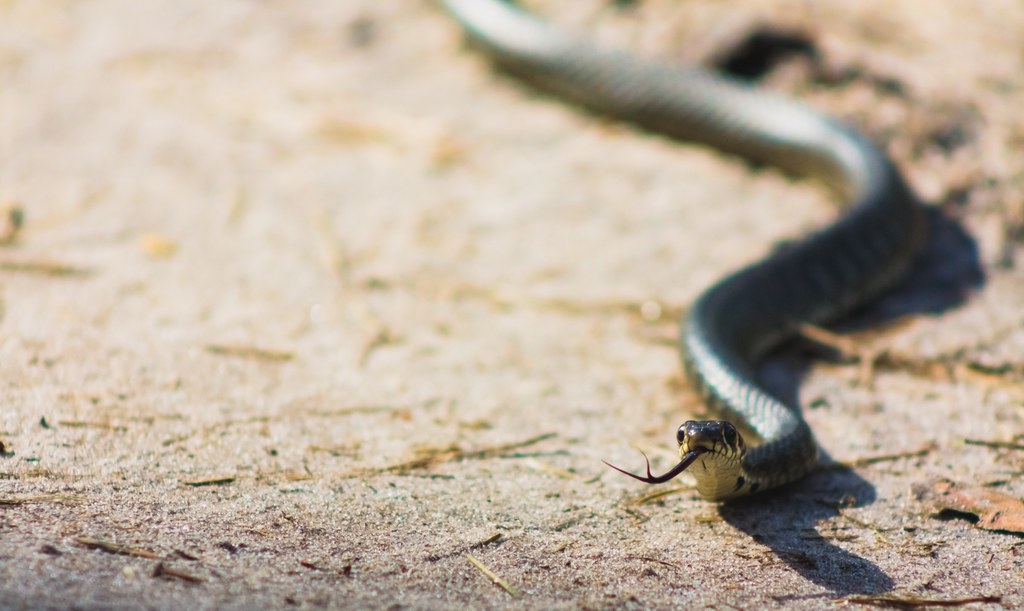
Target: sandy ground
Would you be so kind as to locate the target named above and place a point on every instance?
(310, 308)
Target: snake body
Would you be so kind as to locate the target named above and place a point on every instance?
(736, 321)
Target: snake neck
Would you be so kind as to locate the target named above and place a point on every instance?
(780, 447)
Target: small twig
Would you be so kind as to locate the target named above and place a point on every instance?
(868, 358)
(185, 555)
(173, 440)
(708, 518)
(571, 522)
(213, 481)
(640, 517)
(496, 537)
(845, 346)
(381, 338)
(350, 451)
(12, 219)
(655, 560)
(356, 409)
(912, 602)
(492, 575)
(875, 529)
(117, 548)
(162, 570)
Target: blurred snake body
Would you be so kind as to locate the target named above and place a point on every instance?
(735, 322)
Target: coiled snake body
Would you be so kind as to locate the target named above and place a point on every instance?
(735, 322)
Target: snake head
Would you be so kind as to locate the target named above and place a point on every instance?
(714, 436)
(696, 438)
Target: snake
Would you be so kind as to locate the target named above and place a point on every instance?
(760, 441)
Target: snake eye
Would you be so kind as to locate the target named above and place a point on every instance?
(681, 434)
(730, 435)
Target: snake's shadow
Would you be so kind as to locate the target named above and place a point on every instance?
(944, 274)
(786, 521)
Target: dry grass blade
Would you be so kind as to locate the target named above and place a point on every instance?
(515, 445)
(82, 424)
(67, 499)
(44, 268)
(437, 456)
(660, 494)
(550, 469)
(870, 460)
(250, 352)
(483, 568)
(1005, 445)
(496, 537)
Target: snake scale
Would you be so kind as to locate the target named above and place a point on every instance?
(734, 323)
